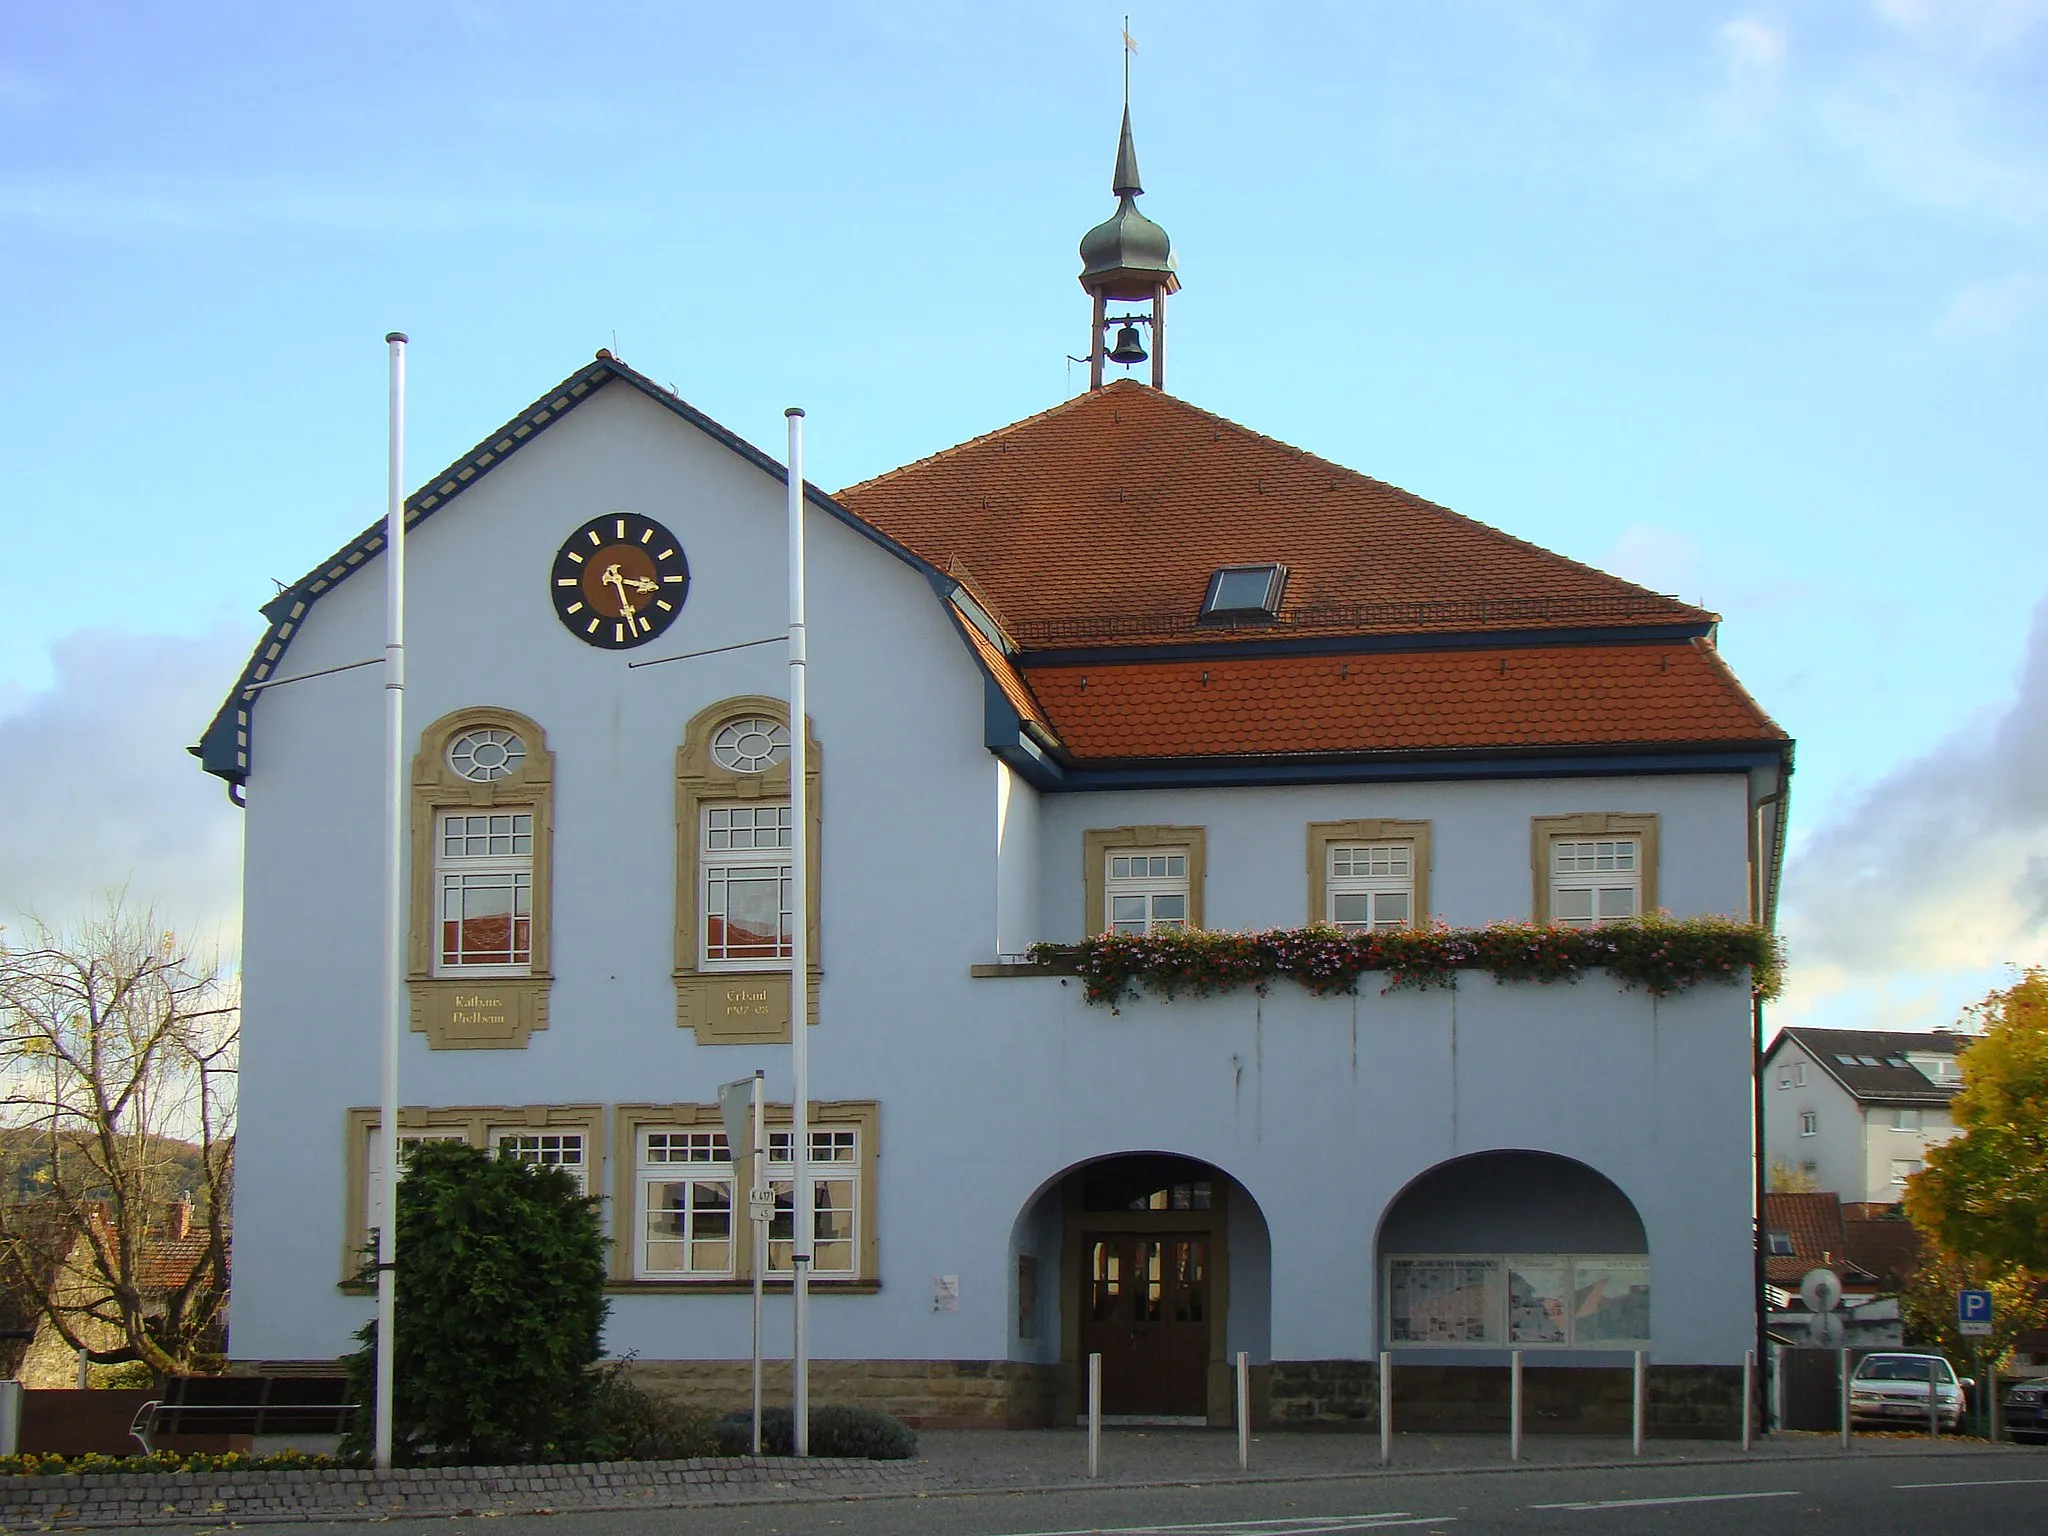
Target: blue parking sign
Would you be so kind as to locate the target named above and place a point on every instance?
(1973, 1311)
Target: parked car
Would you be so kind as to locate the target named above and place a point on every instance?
(1891, 1388)
(2026, 1412)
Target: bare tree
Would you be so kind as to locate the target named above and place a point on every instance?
(118, 1065)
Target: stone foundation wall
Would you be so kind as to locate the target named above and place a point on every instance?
(1690, 1401)
(925, 1394)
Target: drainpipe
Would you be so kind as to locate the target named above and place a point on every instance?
(1757, 1228)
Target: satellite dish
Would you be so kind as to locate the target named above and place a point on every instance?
(1821, 1290)
(1831, 1330)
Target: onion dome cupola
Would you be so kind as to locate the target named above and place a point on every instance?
(1129, 259)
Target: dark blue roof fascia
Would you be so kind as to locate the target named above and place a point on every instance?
(1331, 645)
(1046, 774)
(224, 749)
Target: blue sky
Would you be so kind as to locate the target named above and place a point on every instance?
(1749, 303)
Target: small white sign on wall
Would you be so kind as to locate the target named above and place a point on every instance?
(945, 1293)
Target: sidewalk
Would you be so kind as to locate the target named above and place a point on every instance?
(950, 1461)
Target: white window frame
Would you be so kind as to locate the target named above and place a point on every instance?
(1909, 1120)
(1150, 888)
(453, 871)
(1809, 1122)
(835, 1196)
(1586, 877)
(568, 1150)
(1494, 1271)
(713, 880)
(836, 1174)
(1352, 870)
(1903, 1168)
(704, 1163)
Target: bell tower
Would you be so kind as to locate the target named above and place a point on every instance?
(1127, 259)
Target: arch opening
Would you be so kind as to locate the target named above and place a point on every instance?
(1513, 1250)
(1159, 1262)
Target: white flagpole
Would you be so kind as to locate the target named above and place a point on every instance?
(394, 893)
(799, 961)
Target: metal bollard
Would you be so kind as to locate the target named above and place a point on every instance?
(1934, 1398)
(1638, 1413)
(1386, 1407)
(1244, 1411)
(1748, 1397)
(1515, 1406)
(1095, 1415)
(1845, 1397)
(10, 1418)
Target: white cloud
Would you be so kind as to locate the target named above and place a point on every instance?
(1988, 310)
(97, 790)
(1972, 24)
(1753, 56)
(1938, 875)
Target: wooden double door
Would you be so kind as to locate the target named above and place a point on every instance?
(1146, 1309)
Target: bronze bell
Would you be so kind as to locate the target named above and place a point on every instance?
(1128, 349)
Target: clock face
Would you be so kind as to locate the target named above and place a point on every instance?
(619, 581)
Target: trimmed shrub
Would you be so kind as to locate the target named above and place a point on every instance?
(629, 1423)
(835, 1431)
(500, 1291)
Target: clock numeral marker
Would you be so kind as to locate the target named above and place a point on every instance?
(647, 537)
(573, 556)
(574, 608)
(593, 536)
(663, 605)
(674, 579)
(591, 627)
(566, 581)
(618, 633)
(664, 554)
(622, 527)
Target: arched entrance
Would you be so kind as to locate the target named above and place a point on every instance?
(1163, 1267)
(1513, 1250)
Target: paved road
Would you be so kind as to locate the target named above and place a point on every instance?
(1878, 1496)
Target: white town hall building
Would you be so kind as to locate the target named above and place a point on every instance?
(1123, 664)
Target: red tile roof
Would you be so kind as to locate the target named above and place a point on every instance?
(1400, 701)
(1102, 519)
(1000, 667)
(1814, 1222)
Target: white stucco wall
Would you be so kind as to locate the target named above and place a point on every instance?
(934, 859)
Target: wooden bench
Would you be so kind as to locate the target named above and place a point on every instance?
(302, 1408)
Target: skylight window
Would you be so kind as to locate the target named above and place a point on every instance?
(1241, 593)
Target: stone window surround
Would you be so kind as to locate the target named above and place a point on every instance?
(1322, 834)
(1545, 830)
(437, 1010)
(1097, 843)
(629, 1120)
(474, 1122)
(704, 995)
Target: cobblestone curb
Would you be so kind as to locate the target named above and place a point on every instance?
(185, 1498)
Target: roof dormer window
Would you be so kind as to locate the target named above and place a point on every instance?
(1241, 594)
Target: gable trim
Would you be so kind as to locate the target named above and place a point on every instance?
(224, 748)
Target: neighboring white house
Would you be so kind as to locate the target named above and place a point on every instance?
(1124, 664)
(1856, 1109)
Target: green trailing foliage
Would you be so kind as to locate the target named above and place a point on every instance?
(500, 1301)
(1660, 955)
(835, 1431)
(51, 1464)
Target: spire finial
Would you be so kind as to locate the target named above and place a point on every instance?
(1126, 183)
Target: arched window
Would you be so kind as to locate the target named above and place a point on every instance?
(482, 846)
(735, 891)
